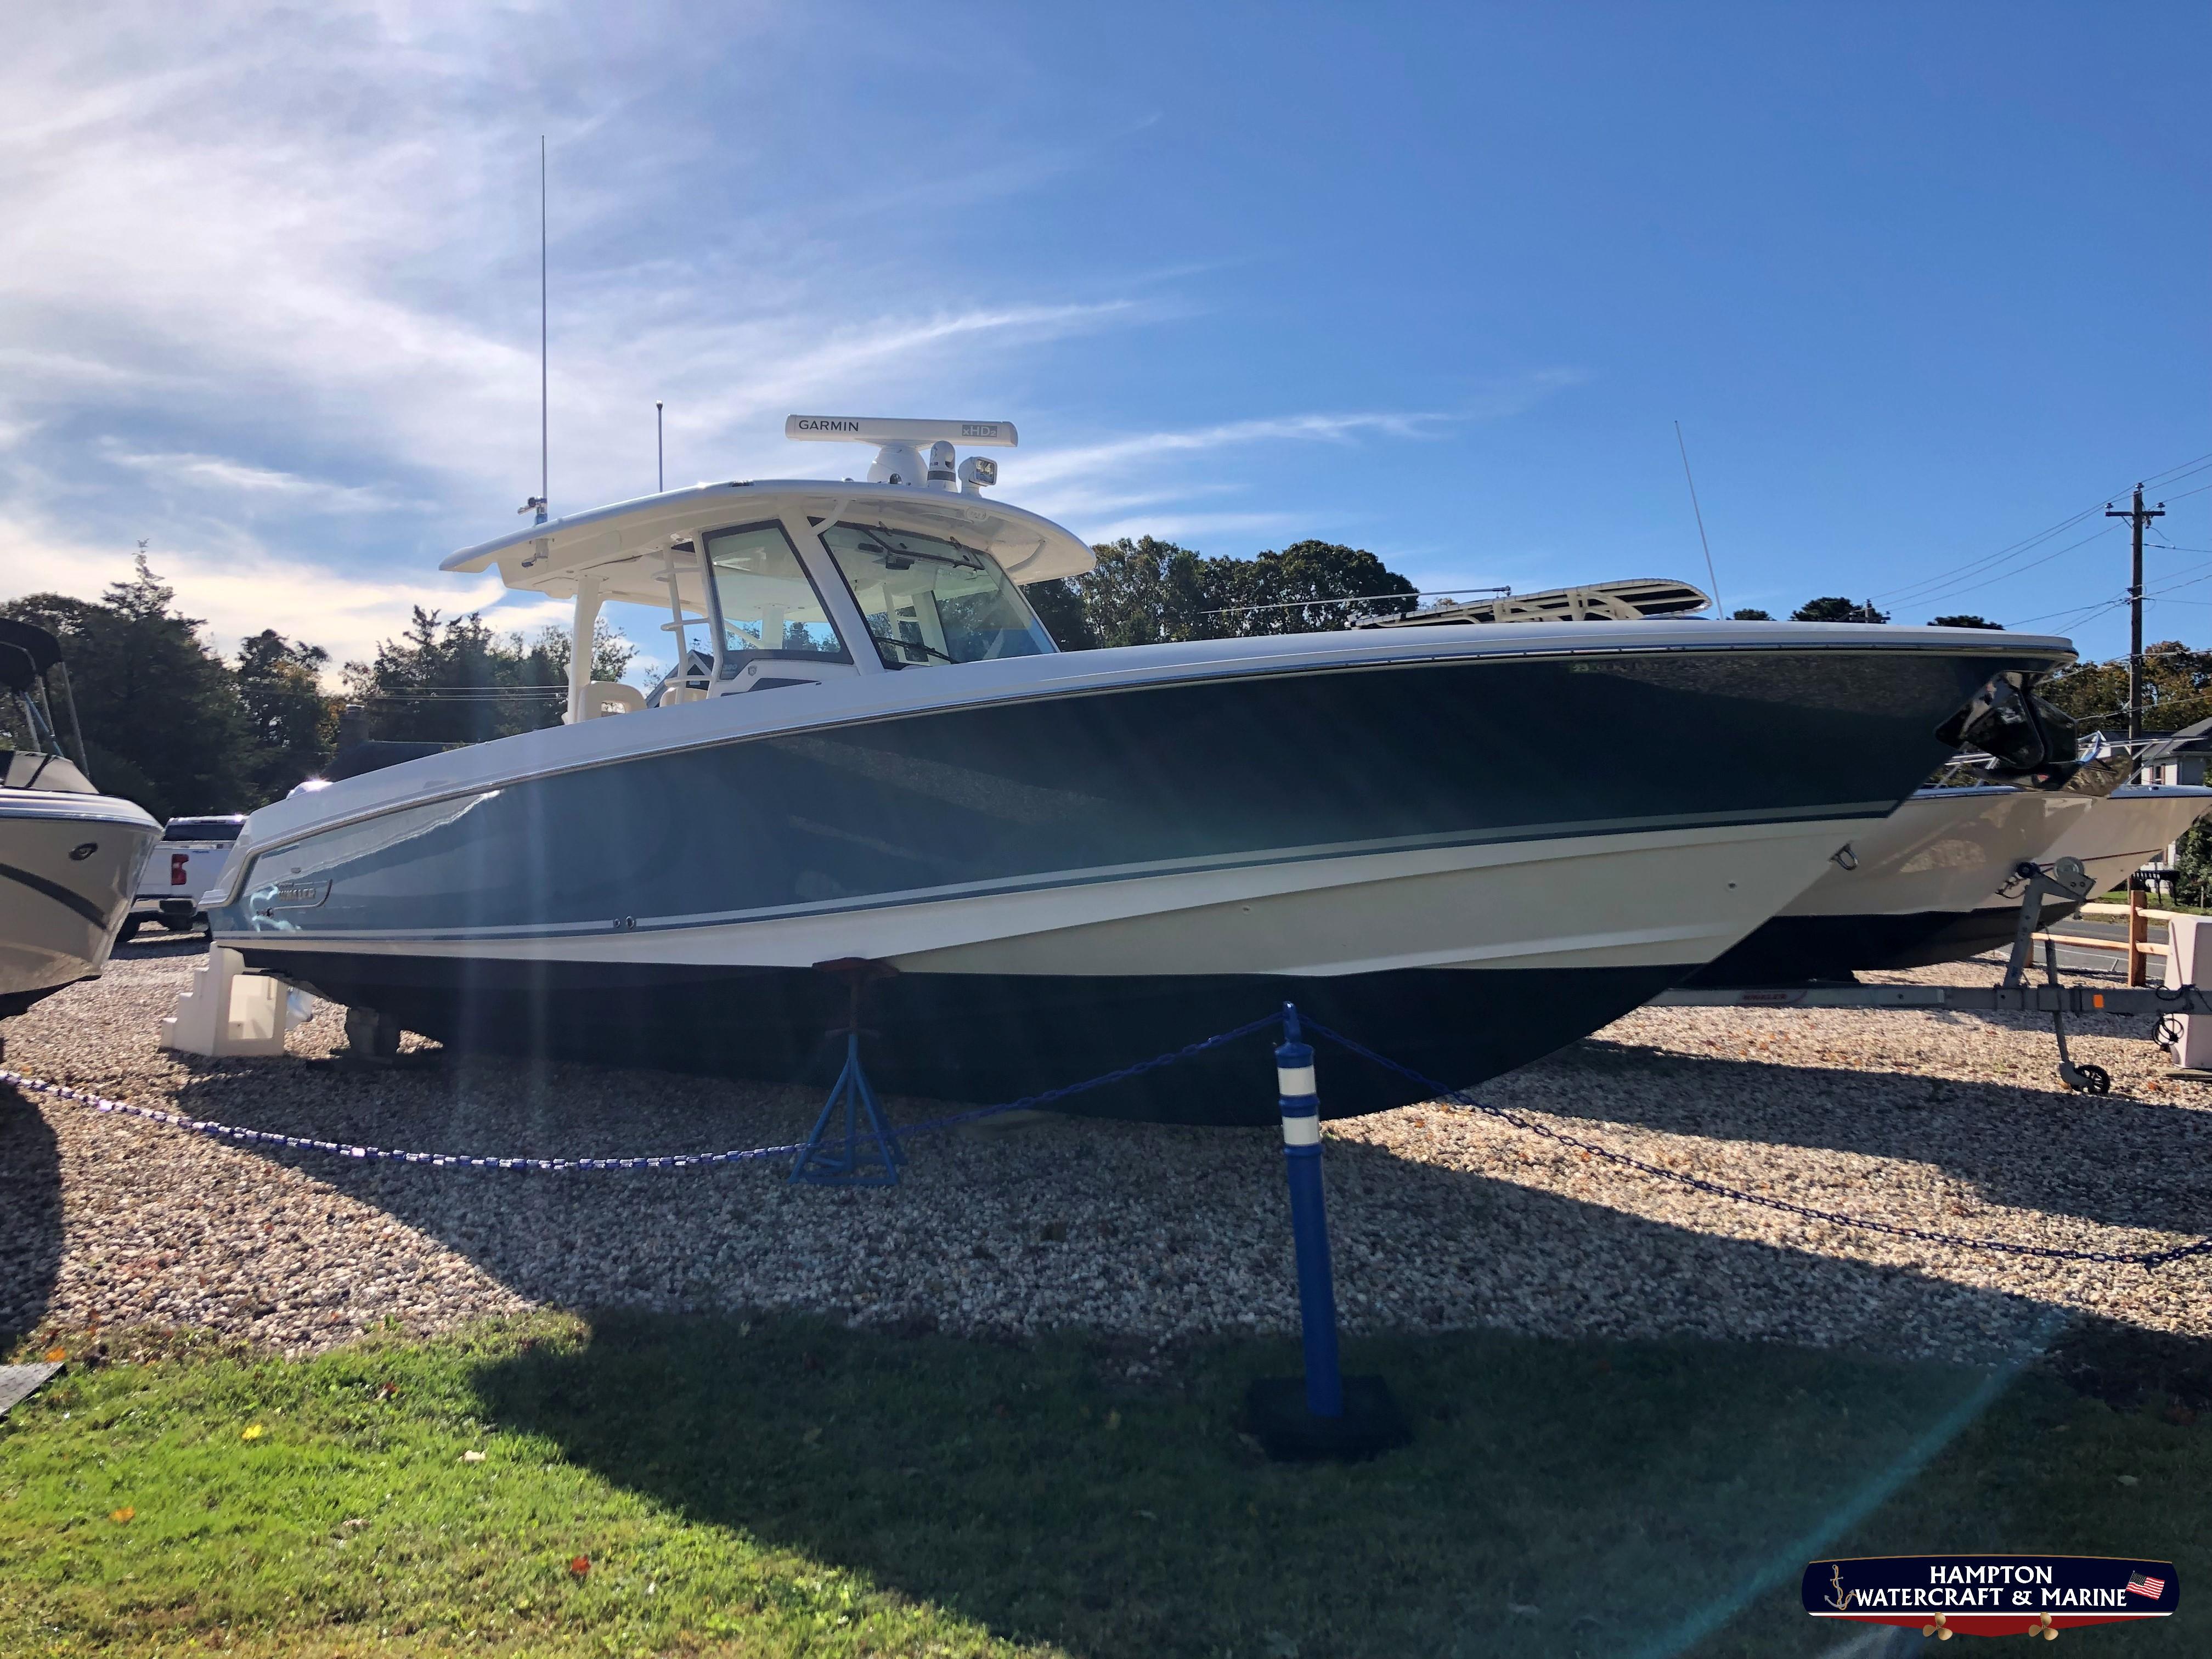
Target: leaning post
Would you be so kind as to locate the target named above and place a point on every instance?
(1301, 1108)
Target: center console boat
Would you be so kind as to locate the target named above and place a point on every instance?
(1465, 846)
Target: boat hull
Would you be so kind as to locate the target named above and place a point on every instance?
(69, 867)
(1929, 859)
(1072, 878)
(1919, 888)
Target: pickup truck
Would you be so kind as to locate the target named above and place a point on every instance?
(184, 866)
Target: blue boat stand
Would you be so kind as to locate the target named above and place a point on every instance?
(863, 1152)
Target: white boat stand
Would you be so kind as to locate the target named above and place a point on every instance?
(2183, 1004)
(225, 1010)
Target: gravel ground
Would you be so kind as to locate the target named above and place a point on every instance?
(1440, 1218)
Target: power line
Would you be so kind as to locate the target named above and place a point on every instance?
(1931, 586)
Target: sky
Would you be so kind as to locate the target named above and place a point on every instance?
(1918, 283)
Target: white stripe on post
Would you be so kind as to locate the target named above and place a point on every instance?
(1294, 1082)
(1302, 1131)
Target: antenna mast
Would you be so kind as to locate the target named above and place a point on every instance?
(545, 466)
(1711, 575)
(659, 452)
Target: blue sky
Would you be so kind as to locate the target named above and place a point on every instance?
(1918, 282)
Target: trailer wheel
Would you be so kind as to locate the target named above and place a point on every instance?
(129, 930)
(371, 1035)
(2095, 1080)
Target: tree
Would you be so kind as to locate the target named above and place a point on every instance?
(1304, 589)
(1838, 610)
(611, 654)
(1143, 592)
(163, 725)
(1965, 622)
(1749, 615)
(457, 682)
(1146, 591)
(291, 721)
(1059, 606)
(2177, 683)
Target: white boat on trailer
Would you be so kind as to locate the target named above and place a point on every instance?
(1075, 860)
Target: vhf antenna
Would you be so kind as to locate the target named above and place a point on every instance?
(544, 465)
(659, 452)
(536, 503)
(1700, 513)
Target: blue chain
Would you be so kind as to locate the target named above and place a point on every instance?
(1462, 1098)
(1459, 1097)
(667, 1161)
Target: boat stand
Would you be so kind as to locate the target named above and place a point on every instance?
(865, 1153)
(2065, 882)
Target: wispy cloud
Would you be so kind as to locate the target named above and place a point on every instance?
(241, 479)
(1043, 469)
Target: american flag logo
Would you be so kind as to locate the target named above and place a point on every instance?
(2140, 1585)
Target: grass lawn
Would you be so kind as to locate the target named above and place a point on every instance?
(785, 1487)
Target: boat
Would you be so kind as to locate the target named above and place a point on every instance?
(69, 856)
(1465, 846)
(2128, 829)
(1931, 883)
(1938, 881)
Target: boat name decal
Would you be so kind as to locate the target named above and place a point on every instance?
(297, 894)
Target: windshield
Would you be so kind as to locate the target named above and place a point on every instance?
(928, 599)
(768, 606)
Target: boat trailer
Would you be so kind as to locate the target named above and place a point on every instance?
(2064, 883)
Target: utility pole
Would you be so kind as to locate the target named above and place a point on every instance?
(2138, 515)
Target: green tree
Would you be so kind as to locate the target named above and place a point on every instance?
(1965, 622)
(1059, 606)
(2176, 690)
(1304, 589)
(611, 654)
(457, 682)
(292, 721)
(1838, 610)
(163, 725)
(1145, 591)
(1750, 615)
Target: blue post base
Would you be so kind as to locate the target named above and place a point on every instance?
(865, 1153)
(1370, 1425)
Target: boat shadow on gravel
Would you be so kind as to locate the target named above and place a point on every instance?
(1059, 1223)
(30, 1216)
(2033, 1144)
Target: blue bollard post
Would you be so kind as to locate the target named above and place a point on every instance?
(1301, 1104)
(1332, 1416)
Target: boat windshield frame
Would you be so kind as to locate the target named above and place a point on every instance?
(727, 656)
(924, 638)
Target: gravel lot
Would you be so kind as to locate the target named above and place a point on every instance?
(1441, 1218)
